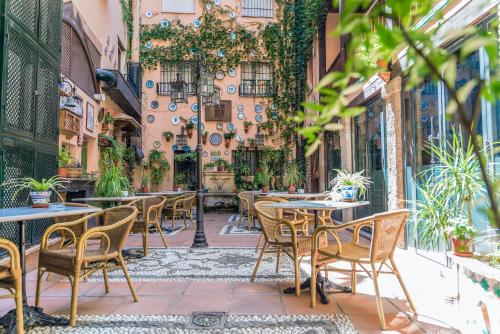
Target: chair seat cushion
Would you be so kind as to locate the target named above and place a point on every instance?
(350, 252)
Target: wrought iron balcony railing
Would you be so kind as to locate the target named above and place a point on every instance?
(259, 88)
(163, 88)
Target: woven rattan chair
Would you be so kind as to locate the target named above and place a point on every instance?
(387, 229)
(246, 208)
(11, 279)
(183, 208)
(293, 245)
(72, 262)
(153, 207)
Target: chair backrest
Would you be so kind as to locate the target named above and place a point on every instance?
(188, 201)
(387, 230)
(246, 200)
(153, 207)
(77, 229)
(120, 220)
(267, 218)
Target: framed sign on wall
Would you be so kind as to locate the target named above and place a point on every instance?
(90, 117)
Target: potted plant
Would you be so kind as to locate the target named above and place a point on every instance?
(168, 135)
(461, 233)
(74, 169)
(179, 182)
(262, 179)
(251, 142)
(64, 159)
(104, 140)
(144, 184)
(106, 122)
(204, 137)
(158, 166)
(292, 177)
(113, 183)
(350, 185)
(247, 125)
(39, 191)
(209, 165)
(245, 172)
(189, 128)
(227, 138)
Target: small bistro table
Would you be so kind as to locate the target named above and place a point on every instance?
(166, 193)
(317, 206)
(287, 195)
(34, 316)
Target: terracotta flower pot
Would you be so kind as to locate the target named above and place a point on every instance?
(227, 142)
(144, 189)
(204, 140)
(292, 189)
(461, 247)
(62, 171)
(265, 189)
(246, 129)
(104, 128)
(190, 132)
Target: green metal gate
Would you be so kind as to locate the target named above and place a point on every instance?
(30, 46)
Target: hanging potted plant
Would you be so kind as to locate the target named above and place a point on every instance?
(247, 125)
(39, 191)
(204, 137)
(350, 185)
(106, 122)
(189, 128)
(292, 177)
(461, 233)
(227, 138)
(168, 135)
(64, 159)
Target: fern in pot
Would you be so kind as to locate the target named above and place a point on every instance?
(351, 186)
(39, 191)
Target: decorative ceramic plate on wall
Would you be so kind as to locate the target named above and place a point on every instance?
(232, 15)
(241, 116)
(205, 154)
(219, 126)
(197, 23)
(186, 148)
(149, 45)
(150, 84)
(259, 118)
(176, 120)
(150, 119)
(156, 144)
(208, 6)
(240, 108)
(231, 89)
(194, 119)
(230, 126)
(149, 13)
(232, 35)
(231, 72)
(215, 139)
(165, 23)
(219, 75)
(155, 104)
(194, 107)
(258, 108)
(172, 106)
(175, 147)
(202, 127)
(220, 53)
(217, 2)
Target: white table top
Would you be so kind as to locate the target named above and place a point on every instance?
(53, 211)
(294, 195)
(112, 199)
(316, 205)
(166, 192)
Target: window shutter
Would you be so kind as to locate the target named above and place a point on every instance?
(226, 110)
(222, 112)
(209, 113)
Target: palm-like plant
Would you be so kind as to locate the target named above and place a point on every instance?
(293, 175)
(31, 184)
(112, 182)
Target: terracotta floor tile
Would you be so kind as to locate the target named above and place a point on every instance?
(257, 288)
(189, 304)
(64, 289)
(302, 305)
(53, 305)
(368, 324)
(152, 305)
(116, 289)
(203, 288)
(251, 304)
(360, 304)
(171, 288)
(99, 305)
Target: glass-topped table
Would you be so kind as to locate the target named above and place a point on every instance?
(34, 316)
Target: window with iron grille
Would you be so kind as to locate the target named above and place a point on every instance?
(256, 79)
(251, 158)
(257, 8)
(221, 112)
(169, 71)
(181, 139)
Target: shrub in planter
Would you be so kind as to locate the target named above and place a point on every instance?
(247, 125)
(64, 159)
(227, 138)
(39, 191)
(461, 233)
(262, 179)
(107, 121)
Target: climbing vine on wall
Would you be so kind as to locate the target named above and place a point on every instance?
(221, 41)
(128, 19)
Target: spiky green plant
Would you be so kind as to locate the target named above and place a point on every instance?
(31, 184)
(112, 182)
(346, 179)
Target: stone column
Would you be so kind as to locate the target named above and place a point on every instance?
(392, 95)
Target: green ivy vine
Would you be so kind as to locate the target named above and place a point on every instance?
(158, 166)
(128, 19)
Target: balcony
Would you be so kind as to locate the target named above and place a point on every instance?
(163, 88)
(69, 123)
(252, 88)
(124, 91)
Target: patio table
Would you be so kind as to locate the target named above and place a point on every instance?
(317, 206)
(166, 193)
(34, 316)
(287, 195)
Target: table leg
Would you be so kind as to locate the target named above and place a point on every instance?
(33, 316)
(321, 282)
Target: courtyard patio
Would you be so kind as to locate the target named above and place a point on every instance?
(169, 293)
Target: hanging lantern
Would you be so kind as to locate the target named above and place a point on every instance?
(207, 85)
(214, 99)
(179, 90)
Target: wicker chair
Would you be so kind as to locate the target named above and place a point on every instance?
(183, 207)
(387, 228)
(275, 242)
(153, 207)
(11, 279)
(246, 208)
(72, 262)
